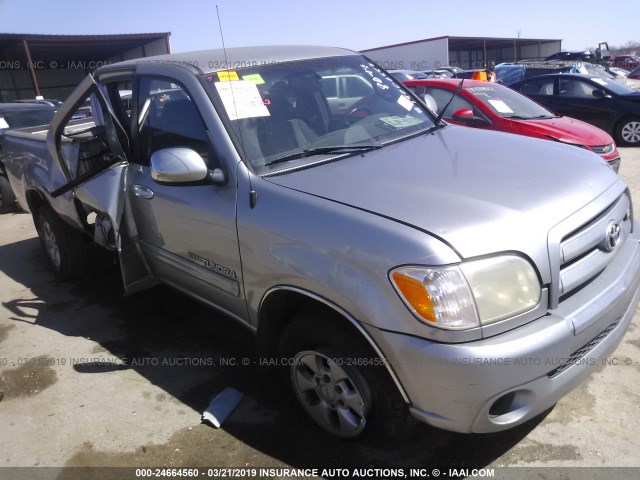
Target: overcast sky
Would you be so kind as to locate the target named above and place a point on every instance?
(354, 24)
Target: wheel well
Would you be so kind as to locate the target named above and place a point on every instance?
(625, 118)
(280, 307)
(35, 201)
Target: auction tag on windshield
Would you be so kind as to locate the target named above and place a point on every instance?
(401, 122)
(228, 75)
(3, 123)
(241, 99)
(254, 78)
(500, 106)
(405, 102)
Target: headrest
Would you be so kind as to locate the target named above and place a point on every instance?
(306, 81)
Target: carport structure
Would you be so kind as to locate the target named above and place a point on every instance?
(52, 65)
(463, 52)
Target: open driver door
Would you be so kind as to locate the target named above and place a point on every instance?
(90, 143)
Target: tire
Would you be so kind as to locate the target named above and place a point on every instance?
(7, 198)
(64, 246)
(339, 381)
(628, 132)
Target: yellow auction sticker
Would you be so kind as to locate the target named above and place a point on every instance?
(228, 75)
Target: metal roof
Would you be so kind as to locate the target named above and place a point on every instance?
(64, 48)
(472, 42)
(208, 61)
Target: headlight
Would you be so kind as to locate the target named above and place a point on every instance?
(474, 293)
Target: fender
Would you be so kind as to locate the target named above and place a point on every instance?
(350, 319)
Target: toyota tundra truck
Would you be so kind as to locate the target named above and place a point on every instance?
(394, 267)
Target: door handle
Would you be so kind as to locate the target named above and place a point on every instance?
(142, 191)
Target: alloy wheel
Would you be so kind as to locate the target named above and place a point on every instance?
(51, 244)
(329, 393)
(631, 132)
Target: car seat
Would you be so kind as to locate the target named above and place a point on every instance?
(430, 102)
(282, 131)
(310, 103)
(546, 89)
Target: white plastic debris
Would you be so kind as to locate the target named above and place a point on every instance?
(221, 406)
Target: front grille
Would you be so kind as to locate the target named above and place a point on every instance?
(586, 252)
(575, 357)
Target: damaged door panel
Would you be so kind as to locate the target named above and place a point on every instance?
(94, 153)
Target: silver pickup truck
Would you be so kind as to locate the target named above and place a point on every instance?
(393, 266)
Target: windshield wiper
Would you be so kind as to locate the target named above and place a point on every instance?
(439, 117)
(522, 117)
(322, 150)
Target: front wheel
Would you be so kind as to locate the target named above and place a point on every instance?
(7, 197)
(335, 396)
(64, 245)
(628, 132)
(339, 381)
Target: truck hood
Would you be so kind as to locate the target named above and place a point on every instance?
(566, 129)
(480, 192)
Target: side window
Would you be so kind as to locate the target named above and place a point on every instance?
(119, 94)
(168, 117)
(330, 87)
(440, 97)
(457, 103)
(83, 143)
(570, 87)
(538, 87)
(355, 86)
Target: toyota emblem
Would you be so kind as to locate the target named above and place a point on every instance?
(612, 237)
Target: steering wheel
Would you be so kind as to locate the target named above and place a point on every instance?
(356, 114)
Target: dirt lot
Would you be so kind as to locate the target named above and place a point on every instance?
(62, 408)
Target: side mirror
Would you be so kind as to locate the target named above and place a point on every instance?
(465, 115)
(599, 93)
(180, 165)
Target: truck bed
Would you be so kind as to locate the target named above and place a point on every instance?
(21, 146)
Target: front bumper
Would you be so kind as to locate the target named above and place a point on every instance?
(502, 381)
(615, 164)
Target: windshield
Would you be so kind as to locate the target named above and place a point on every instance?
(596, 70)
(615, 86)
(31, 117)
(403, 75)
(293, 114)
(508, 103)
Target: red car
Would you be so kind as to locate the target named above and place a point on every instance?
(495, 107)
(628, 62)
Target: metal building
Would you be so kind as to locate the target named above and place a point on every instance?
(463, 52)
(53, 65)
